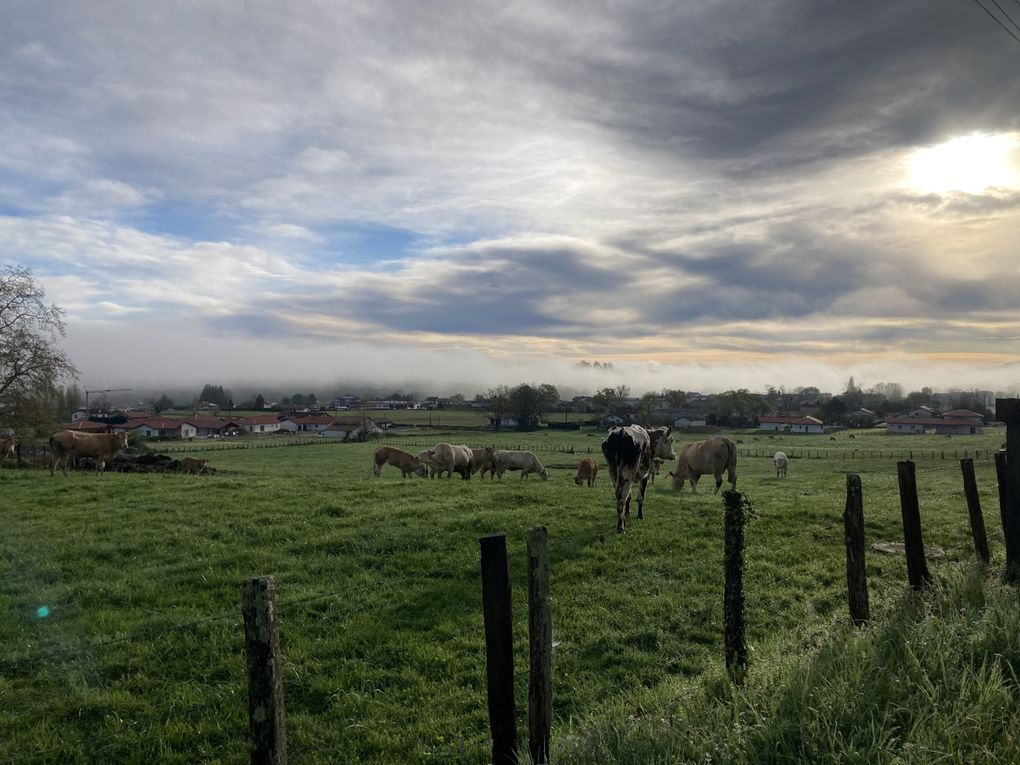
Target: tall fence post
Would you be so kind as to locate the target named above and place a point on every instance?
(856, 576)
(499, 650)
(1000, 478)
(540, 639)
(733, 594)
(917, 566)
(1008, 411)
(977, 520)
(266, 716)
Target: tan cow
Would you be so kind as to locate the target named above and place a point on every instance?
(193, 465)
(390, 455)
(711, 457)
(7, 447)
(524, 461)
(447, 458)
(66, 444)
(586, 472)
(483, 460)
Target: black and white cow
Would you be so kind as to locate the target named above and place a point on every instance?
(629, 450)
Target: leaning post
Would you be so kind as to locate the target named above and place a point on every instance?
(977, 520)
(1007, 410)
(913, 543)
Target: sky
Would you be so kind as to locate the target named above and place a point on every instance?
(709, 195)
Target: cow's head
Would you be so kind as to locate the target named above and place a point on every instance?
(662, 443)
(122, 440)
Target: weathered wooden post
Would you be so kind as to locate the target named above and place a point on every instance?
(856, 576)
(1008, 411)
(977, 520)
(733, 594)
(917, 566)
(266, 716)
(540, 639)
(499, 649)
(1000, 479)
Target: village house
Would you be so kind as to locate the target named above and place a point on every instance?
(959, 422)
(802, 424)
(260, 423)
(351, 429)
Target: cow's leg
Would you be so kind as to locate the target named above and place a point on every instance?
(694, 484)
(641, 498)
(622, 505)
(718, 482)
(732, 476)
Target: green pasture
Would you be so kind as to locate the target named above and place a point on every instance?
(122, 637)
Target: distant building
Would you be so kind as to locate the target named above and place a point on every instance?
(806, 424)
(959, 422)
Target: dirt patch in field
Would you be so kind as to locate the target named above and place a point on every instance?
(898, 548)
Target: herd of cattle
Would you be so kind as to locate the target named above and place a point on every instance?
(633, 454)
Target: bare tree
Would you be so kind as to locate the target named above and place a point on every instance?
(31, 360)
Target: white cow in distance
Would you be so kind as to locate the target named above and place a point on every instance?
(782, 462)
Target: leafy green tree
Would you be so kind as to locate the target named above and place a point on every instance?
(610, 399)
(649, 403)
(550, 396)
(675, 399)
(740, 408)
(526, 405)
(499, 403)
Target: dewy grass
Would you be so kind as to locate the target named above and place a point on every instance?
(139, 654)
(932, 681)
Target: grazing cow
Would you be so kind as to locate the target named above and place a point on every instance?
(629, 451)
(586, 472)
(447, 458)
(193, 465)
(66, 444)
(484, 460)
(526, 462)
(7, 447)
(710, 457)
(782, 462)
(390, 455)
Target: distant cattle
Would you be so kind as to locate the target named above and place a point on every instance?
(194, 465)
(586, 472)
(390, 455)
(483, 460)
(449, 459)
(7, 447)
(782, 462)
(629, 450)
(711, 457)
(67, 444)
(524, 461)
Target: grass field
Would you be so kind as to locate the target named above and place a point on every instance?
(122, 640)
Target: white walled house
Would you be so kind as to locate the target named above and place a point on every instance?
(260, 423)
(804, 424)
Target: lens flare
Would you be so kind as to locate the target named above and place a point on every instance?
(42, 612)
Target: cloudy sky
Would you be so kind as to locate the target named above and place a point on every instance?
(709, 195)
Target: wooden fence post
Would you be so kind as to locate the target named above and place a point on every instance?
(499, 650)
(917, 567)
(977, 520)
(266, 716)
(733, 594)
(856, 575)
(540, 639)
(1008, 411)
(1000, 478)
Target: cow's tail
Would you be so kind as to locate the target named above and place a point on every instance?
(731, 463)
